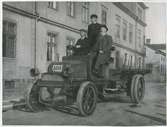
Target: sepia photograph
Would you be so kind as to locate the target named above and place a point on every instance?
(85, 63)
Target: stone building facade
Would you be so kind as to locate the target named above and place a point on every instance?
(155, 60)
(37, 33)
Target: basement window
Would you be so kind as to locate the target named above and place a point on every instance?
(9, 84)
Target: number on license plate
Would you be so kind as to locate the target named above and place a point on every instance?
(57, 68)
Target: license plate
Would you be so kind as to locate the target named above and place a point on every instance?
(57, 68)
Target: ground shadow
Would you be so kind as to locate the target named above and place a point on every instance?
(160, 106)
(135, 105)
(68, 110)
(115, 99)
(73, 110)
(120, 99)
(24, 108)
(148, 116)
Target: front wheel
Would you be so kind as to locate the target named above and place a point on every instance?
(86, 98)
(137, 89)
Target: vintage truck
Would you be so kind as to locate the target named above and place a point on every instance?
(71, 81)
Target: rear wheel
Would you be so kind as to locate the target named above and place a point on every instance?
(86, 98)
(137, 88)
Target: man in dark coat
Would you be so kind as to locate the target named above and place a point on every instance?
(102, 49)
(93, 31)
(82, 45)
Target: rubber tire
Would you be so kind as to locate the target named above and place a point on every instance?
(134, 90)
(80, 95)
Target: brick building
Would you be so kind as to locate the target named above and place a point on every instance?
(37, 33)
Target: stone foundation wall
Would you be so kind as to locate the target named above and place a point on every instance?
(17, 90)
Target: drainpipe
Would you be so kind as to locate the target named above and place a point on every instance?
(35, 34)
(135, 42)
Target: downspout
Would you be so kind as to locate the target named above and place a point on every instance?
(135, 42)
(35, 34)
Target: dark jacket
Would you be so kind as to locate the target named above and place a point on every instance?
(93, 32)
(104, 44)
(81, 47)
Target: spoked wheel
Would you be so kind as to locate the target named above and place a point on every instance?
(137, 88)
(32, 98)
(86, 98)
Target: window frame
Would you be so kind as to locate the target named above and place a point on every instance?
(9, 84)
(51, 44)
(131, 31)
(140, 13)
(105, 10)
(51, 7)
(139, 37)
(124, 23)
(130, 60)
(68, 39)
(117, 25)
(8, 34)
(125, 59)
(69, 9)
(85, 11)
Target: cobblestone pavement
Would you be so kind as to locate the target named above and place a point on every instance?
(116, 111)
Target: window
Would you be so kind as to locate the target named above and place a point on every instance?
(69, 47)
(9, 84)
(161, 68)
(164, 69)
(124, 34)
(104, 15)
(117, 59)
(144, 38)
(9, 39)
(139, 13)
(70, 9)
(130, 61)
(139, 37)
(53, 5)
(85, 12)
(140, 62)
(125, 59)
(118, 27)
(51, 47)
(130, 33)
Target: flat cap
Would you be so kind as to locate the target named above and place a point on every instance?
(83, 30)
(93, 16)
(104, 26)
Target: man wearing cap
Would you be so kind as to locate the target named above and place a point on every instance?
(93, 30)
(103, 50)
(82, 45)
